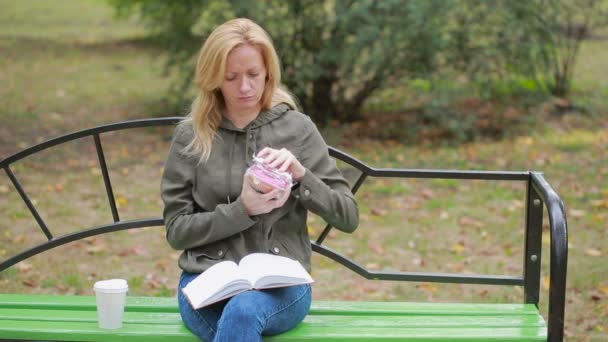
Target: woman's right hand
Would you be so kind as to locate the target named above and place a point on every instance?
(257, 203)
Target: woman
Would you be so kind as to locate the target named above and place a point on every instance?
(212, 212)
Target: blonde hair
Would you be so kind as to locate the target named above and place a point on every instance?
(206, 112)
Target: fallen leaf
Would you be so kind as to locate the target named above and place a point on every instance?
(121, 201)
(593, 252)
(30, 282)
(457, 248)
(432, 288)
(595, 296)
(95, 249)
(546, 283)
(164, 264)
(577, 213)
(20, 239)
(378, 212)
(376, 247)
(312, 230)
(137, 250)
(467, 221)
(23, 267)
(372, 266)
(427, 193)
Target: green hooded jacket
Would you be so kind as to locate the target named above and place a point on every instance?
(204, 215)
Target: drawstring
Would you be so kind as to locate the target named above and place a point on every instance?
(229, 171)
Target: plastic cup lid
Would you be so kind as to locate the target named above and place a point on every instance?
(111, 286)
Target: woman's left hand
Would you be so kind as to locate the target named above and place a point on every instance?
(283, 160)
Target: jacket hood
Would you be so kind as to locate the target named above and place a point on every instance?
(262, 119)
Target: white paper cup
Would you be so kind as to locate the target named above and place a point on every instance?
(111, 296)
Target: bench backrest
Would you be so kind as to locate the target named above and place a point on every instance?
(539, 193)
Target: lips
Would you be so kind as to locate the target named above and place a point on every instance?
(247, 98)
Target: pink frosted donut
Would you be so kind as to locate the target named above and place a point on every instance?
(265, 178)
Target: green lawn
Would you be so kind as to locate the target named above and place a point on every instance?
(68, 65)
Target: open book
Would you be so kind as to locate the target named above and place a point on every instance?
(255, 271)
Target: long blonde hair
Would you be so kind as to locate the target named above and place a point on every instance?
(206, 112)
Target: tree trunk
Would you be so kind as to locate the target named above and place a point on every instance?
(322, 107)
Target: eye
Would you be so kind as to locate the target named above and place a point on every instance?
(230, 77)
(254, 74)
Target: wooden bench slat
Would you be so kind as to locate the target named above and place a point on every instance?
(169, 304)
(134, 303)
(372, 320)
(86, 316)
(87, 331)
(308, 333)
(74, 318)
(415, 308)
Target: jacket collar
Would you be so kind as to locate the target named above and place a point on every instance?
(263, 118)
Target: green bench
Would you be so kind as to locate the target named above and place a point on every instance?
(73, 318)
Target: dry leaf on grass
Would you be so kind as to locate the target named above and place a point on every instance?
(457, 248)
(427, 193)
(30, 282)
(577, 213)
(376, 247)
(546, 283)
(593, 252)
(23, 267)
(95, 249)
(378, 212)
(467, 221)
(432, 288)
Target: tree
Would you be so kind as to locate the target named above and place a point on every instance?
(334, 53)
(557, 31)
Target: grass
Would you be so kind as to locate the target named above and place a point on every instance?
(69, 65)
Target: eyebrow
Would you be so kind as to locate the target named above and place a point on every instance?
(255, 69)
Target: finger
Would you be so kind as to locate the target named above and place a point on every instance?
(284, 197)
(272, 194)
(287, 163)
(264, 152)
(270, 155)
(279, 160)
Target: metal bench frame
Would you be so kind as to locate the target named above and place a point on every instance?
(539, 192)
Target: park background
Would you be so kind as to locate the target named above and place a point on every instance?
(69, 65)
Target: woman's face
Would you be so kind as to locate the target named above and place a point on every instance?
(244, 80)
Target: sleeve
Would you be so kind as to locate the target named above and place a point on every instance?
(186, 223)
(323, 190)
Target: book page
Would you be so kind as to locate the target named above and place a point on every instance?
(267, 270)
(217, 282)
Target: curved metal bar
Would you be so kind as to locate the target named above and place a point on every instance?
(416, 276)
(62, 240)
(558, 256)
(428, 173)
(167, 121)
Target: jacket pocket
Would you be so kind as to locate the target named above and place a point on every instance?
(214, 251)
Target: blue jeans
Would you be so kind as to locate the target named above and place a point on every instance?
(248, 315)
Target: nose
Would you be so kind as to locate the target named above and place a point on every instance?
(245, 85)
